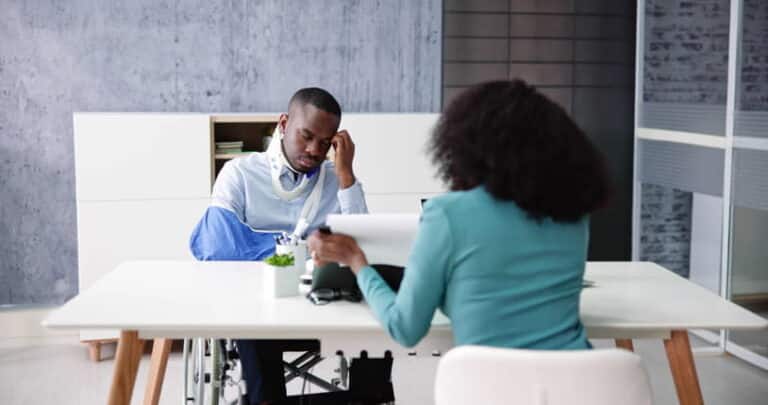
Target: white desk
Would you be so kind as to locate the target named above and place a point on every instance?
(174, 299)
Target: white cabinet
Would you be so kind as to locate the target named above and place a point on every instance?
(144, 179)
(142, 156)
(391, 159)
(390, 152)
(111, 232)
(142, 182)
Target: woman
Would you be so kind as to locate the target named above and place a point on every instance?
(503, 253)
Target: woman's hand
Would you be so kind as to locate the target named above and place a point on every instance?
(336, 248)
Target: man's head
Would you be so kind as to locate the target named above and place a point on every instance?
(309, 126)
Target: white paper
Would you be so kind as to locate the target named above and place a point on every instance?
(385, 238)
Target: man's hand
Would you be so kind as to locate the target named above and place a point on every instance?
(336, 248)
(345, 152)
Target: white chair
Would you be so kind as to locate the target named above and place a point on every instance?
(491, 376)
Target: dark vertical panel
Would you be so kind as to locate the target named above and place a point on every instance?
(603, 105)
(580, 53)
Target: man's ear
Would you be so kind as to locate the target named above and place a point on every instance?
(282, 123)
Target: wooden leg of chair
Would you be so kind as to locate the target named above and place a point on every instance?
(161, 348)
(129, 351)
(625, 344)
(94, 351)
(95, 346)
(683, 368)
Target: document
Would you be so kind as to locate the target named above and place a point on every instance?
(385, 238)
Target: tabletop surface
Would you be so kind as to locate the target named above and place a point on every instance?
(226, 297)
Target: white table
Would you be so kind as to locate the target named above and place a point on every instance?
(176, 299)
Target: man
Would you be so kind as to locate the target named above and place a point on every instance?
(289, 188)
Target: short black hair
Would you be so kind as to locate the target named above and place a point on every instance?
(521, 146)
(319, 98)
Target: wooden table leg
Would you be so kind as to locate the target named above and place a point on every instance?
(625, 344)
(683, 368)
(161, 348)
(129, 351)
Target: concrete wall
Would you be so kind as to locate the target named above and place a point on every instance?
(150, 55)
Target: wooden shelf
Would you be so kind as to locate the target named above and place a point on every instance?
(252, 131)
(245, 118)
(227, 156)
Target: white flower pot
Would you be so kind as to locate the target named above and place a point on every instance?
(281, 281)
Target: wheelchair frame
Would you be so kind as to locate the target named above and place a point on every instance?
(209, 366)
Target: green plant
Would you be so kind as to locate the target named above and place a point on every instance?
(280, 260)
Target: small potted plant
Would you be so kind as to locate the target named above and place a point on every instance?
(282, 276)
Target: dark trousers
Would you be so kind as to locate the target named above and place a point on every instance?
(262, 363)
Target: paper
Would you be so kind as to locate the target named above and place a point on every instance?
(385, 238)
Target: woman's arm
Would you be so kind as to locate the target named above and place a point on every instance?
(407, 314)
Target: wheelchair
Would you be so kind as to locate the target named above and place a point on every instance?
(213, 375)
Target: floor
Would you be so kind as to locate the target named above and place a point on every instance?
(756, 341)
(59, 372)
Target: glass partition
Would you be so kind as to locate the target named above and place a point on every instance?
(685, 66)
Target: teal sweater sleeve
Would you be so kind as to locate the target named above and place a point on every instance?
(407, 315)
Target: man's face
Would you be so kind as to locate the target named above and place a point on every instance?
(308, 132)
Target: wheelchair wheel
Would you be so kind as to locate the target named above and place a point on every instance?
(185, 351)
(204, 364)
(193, 357)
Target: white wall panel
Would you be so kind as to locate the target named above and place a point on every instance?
(404, 203)
(706, 239)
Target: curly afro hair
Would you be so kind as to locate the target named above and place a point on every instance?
(521, 146)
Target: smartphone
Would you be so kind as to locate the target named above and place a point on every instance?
(324, 229)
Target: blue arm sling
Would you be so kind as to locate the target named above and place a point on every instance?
(221, 236)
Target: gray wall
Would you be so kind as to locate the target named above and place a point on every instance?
(150, 55)
(686, 51)
(665, 227)
(686, 65)
(580, 53)
(754, 64)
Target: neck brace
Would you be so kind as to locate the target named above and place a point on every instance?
(278, 161)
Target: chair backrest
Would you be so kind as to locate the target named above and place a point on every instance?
(490, 376)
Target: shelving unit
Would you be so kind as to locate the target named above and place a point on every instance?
(228, 156)
(253, 130)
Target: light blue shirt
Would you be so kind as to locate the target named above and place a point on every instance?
(503, 278)
(244, 186)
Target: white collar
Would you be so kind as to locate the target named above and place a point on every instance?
(277, 162)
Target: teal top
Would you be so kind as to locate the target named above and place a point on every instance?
(503, 278)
